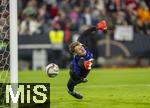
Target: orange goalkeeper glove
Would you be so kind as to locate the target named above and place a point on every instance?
(102, 25)
(88, 64)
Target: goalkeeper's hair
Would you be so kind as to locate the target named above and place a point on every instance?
(72, 46)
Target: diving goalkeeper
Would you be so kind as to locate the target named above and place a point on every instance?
(82, 60)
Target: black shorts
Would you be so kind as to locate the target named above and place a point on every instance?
(77, 78)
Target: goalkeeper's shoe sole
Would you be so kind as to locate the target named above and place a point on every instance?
(75, 94)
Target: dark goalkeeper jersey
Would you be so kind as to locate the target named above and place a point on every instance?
(78, 63)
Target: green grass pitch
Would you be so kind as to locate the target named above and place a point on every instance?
(106, 88)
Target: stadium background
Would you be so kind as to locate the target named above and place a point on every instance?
(47, 27)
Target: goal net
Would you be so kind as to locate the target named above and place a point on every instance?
(4, 48)
(7, 49)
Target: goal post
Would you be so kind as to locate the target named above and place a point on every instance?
(13, 42)
(13, 47)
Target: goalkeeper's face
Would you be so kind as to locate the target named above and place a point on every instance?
(80, 50)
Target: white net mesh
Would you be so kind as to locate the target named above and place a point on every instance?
(4, 48)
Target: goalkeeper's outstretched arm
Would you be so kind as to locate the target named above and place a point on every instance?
(86, 33)
(100, 26)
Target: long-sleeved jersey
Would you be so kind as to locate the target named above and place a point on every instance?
(77, 64)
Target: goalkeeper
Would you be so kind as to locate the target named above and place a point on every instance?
(82, 60)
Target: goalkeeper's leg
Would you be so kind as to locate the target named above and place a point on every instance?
(73, 81)
(71, 84)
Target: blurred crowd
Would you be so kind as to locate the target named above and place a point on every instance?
(37, 16)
